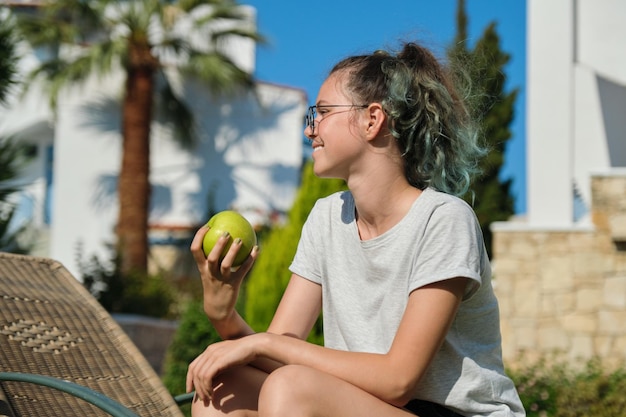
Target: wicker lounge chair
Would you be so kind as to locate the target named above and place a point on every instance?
(83, 364)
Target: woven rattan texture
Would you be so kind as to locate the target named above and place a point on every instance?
(50, 325)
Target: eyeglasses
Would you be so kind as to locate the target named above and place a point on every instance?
(311, 114)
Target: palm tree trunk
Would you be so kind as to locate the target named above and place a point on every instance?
(134, 180)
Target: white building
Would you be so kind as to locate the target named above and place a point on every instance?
(576, 105)
(560, 277)
(248, 158)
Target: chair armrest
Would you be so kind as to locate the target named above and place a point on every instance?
(98, 399)
(184, 398)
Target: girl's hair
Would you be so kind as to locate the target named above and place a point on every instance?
(432, 125)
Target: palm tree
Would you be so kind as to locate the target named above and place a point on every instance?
(141, 37)
(8, 58)
(484, 65)
(11, 154)
(12, 158)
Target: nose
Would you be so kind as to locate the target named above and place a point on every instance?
(309, 132)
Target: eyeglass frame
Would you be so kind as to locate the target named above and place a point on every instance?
(309, 118)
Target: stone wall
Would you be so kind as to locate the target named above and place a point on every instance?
(565, 290)
(151, 336)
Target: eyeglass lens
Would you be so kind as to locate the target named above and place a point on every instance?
(310, 118)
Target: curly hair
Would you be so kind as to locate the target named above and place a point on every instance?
(433, 127)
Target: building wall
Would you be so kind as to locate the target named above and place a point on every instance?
(576, 92)
(564, 289)
(560, 271)
(248, 158)
(548, 108)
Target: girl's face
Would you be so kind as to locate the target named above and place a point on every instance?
(335, 137)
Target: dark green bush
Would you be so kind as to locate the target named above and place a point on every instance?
(553, 387)
(134, 293)
(267, 281)
(193, 335)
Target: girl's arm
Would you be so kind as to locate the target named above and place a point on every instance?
(295, 316)
(390, 377)
(394, 375)
(221, 284)
(297, 312)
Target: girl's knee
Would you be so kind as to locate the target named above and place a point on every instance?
(235, 393)
(285, 390)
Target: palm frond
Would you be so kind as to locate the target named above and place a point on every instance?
(189, 5)
(237, 33)
(106, 55)
(172, 110)
(219, 72)
(58, 73)
(62, 21)
(230, 11)
(39, 30)
(135, 21)
(173, 43)
(8, 59)
(9, 232)
(12, 154)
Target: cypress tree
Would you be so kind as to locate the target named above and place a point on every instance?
(193, 335)
(13, 154)
(261, 291)
(269, 277)
(483, 66)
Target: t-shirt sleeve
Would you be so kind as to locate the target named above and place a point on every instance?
(304, 262)
(452, 246)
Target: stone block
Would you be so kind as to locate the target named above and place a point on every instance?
(556, 244)
(589, 299)
(506, 266)
(600, 220)
(582, 241)
(508, 340)
(612, 322)
(566, 290)
(619, 263)
(603, 345)
(503, 286)
(582, 347)
(617, 225)
(590, 264)
(557, 274)
(506, 305)
(523, 248)
(525, 338)
(565, 303)
(552, 337)
(580, 323)
(557, 304)
(526, 299)
(614, 292)
(619, 347)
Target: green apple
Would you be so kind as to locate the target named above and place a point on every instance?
(238, 227)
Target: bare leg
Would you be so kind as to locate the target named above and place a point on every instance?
(300, 391)
(236, 394)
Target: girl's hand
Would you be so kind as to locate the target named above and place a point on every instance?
(217, 358)
(220, 281)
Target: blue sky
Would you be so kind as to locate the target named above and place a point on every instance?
(305, 38)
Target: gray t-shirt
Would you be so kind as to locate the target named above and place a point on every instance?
(366, 286)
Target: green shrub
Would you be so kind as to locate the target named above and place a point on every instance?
(134, 293)
(268, 279)
(551, 387)
(193, 335)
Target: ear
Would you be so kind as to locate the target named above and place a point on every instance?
(376, 120)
